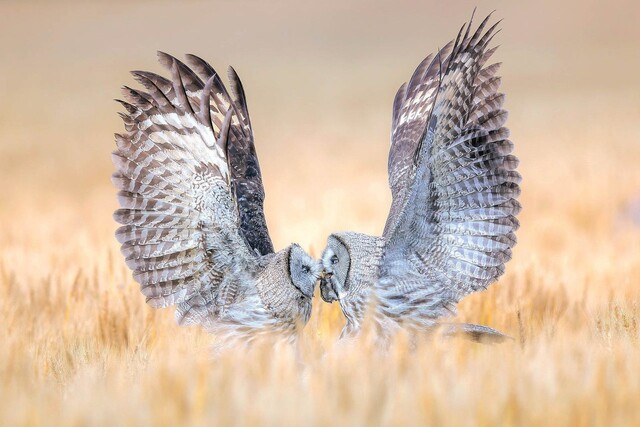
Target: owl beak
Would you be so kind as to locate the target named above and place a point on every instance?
(327, 292)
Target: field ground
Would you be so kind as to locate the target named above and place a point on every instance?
(80, 347)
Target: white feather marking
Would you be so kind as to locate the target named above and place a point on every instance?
(195, 143)
(223, 101)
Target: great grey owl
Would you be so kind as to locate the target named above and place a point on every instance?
(191, 196)
(454, 187)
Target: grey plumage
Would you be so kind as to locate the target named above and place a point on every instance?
(191, 199)
(452, 222)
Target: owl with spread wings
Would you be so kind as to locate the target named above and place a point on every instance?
(193, 228)
(454, 185)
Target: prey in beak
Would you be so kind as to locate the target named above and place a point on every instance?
(327, 292)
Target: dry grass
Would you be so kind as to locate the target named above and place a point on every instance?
(81, 348)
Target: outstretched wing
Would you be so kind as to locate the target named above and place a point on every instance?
(452, 230)
(246, 179)
(411, 107)
(180, 233)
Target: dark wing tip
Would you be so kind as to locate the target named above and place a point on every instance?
(165, 59)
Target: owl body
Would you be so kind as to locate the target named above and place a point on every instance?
(363, 285)
(258, 301)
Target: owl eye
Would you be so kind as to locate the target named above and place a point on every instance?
(306, 269)
(334, 259)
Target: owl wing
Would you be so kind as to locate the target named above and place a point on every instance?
(181, 232)
(246, 178)
(411, 107)
(452, 229)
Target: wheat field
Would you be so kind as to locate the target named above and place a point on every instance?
(80, 347)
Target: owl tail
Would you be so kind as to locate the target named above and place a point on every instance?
(476, 333)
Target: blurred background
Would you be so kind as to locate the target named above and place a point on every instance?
(320, 79)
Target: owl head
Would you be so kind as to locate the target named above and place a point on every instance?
(304, 271)
(349, 264)
(336, 263)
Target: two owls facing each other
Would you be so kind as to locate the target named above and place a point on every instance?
(191, 203)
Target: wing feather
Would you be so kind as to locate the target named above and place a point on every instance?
(180, 230)
(246, 177)
(412, 106)
(452, 223)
